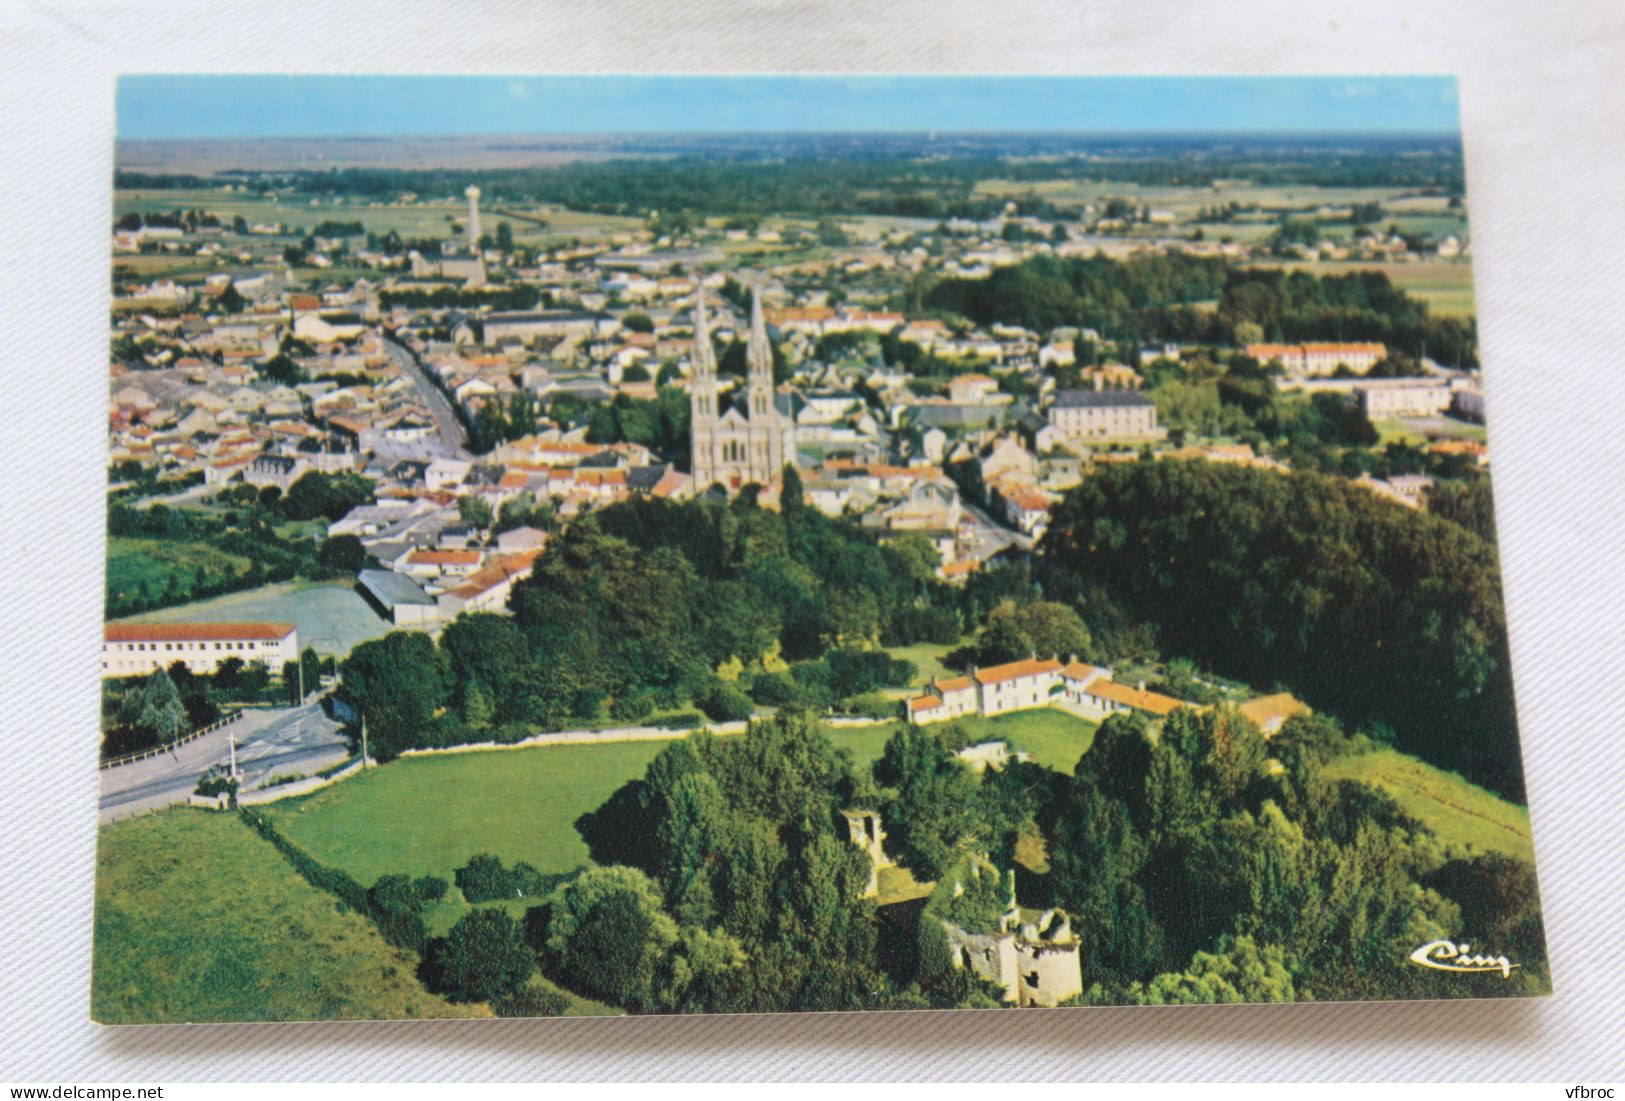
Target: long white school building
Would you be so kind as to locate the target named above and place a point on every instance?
(136, 649)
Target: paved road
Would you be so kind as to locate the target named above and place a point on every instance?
(283, 741)
(190, 495)
(445, 418)
(991, 537)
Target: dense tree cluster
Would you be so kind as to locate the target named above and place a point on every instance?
(660, 424)
(650, 605)
(1367, 609)
(1194, 873)
(1195, 870)
(329, 496)
(1153, 297)
(727, 850)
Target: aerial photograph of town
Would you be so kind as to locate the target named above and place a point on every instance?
(623, 545)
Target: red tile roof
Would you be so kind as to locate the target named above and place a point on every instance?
(443, 557)
(1140, 700)
(1080, 670)
(196, 632)
(1015, 670)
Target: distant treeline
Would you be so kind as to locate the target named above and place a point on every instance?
(859, 181)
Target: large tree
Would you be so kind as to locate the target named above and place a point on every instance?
(932, 809)
(483, 957)
(399, 683)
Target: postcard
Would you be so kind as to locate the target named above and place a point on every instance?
(606, 545)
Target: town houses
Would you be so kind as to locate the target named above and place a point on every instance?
(1320, 358)
(467, 381)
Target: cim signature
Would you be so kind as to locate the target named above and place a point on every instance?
(1444, 955)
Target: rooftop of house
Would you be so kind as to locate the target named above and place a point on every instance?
(422, 557)
(920, 704)
(1081, 671)
(1138, 698)
(390, 588)
(1015, 670)
(1270, 711)
(196, 632)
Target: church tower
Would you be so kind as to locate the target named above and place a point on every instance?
(746, 443)
(766, 441)
(703, 398)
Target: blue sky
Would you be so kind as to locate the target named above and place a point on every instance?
(235, 106)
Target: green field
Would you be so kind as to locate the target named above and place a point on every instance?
(331, 617)
(1055, 738)
(865, 743)
(1460, 813)
(130, 562)
(1397, 431)
(428, 815)
(927, 658)
(198, 919)
(1445, 285)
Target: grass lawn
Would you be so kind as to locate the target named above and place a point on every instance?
(332, 617)
(1055, 738)
(199, 919)
(1420, 431)
(1460, 813)
(927, 658)
(428, 815)
(865, 743)
(130, 562)
(1397, 431)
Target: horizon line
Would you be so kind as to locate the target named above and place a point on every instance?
(581, 135)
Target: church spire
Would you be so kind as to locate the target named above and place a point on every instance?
(704, 381)
(759, 359)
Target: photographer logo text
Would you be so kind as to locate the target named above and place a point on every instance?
(1447, 955)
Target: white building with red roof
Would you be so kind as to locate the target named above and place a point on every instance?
(137, 649)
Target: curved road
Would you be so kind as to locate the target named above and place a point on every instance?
(283, 741)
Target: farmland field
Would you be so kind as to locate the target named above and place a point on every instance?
(1460, 813)
(198, 919)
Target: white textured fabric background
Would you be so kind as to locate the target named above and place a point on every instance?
(1543, 106)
